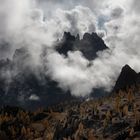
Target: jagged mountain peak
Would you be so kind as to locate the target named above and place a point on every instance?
(90, 36)
(126, 78)
(89, 45)
(68, 37)
(127, 68)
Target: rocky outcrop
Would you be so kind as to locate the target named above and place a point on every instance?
(126, 78)
(89, 45)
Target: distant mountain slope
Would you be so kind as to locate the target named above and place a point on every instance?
(19, 84)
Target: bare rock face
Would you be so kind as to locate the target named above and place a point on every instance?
(126, 78)
(89, 45)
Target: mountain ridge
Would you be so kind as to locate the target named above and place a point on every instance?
(19, 83)
(20, 86)
(89, 45)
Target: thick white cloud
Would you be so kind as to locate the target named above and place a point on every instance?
(78, 20)
(23, 24)
(70, 72)
(135, 6)
(122, 37)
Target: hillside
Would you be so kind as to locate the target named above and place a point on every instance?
(111, 118)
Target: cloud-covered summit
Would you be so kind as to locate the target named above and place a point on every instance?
(37, 25)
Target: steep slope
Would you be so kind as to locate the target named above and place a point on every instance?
(126, 78)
